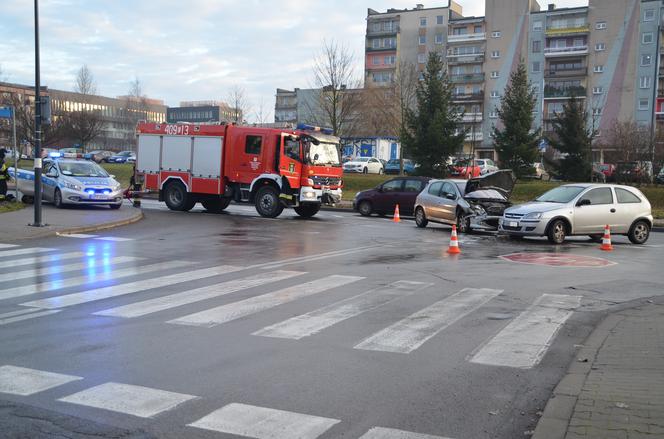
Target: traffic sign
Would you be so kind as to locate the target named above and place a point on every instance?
(543, 145)
(5, 112)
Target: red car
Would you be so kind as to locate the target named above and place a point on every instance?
(607, 169)
(466, 169)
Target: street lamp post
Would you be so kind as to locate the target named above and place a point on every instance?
(38, 161)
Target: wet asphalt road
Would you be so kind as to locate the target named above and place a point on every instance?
(436, 373)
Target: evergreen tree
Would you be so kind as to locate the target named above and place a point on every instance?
(573, 138)
(516, 142)
(431, 134)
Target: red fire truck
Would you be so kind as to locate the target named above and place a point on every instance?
(214, 164)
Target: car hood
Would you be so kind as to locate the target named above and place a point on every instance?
(500, 181)
(355, 163)
(92, 181)
(535, 206)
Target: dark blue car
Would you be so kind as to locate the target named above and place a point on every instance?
(392, 167)
(123, 157)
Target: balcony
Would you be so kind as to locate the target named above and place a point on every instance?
(557, 73)
(478, 136)
(471, 117)
(566, 51)
(471, 58)
(383, 32)
(467, 78)
(562, 31)
(468, 97)
(381, 49)
(480, 36)
(564, 93)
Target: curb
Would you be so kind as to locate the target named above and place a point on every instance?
(104, 226)
(559, 409)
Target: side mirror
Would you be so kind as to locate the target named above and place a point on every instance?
(451, 197)
(584, 202)
(111, 175)
(52, 174)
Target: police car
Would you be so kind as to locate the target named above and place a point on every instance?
(70, 181)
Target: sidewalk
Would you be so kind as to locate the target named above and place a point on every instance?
(615, 386)
(14, 225)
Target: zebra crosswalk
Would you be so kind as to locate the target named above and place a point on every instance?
(78, 279)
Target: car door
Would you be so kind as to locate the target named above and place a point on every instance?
(449, 198)
(374, 166)
(628, 207)
(388, 196)
(49, 180)
(431, 201)
(411, 189)
(594, 209)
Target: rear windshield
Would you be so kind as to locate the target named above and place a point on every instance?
(393, 162)
(562, 194)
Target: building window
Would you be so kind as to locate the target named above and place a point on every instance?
(423, 22)
(495, 54)
(439, 38)
(495, 75)
(493, 115)
(646, 60)
(597, 111)
(599, 47)
(390, 60)
(600, 25)
(478, 29)
(647, 38)
(649, 15)
(421, 58)
(375, 44)
(598, 90)
(495, 34)
(423, 40)
(644, 104)
(644, 82)
(537, 26)
(537, 46)
(375, 60)
(494, 94)
(439, 19)
(598, 69)
(536, 67)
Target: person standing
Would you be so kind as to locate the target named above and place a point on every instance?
(4, 176)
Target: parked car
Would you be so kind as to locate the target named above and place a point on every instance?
(123, 157)
(465, 168)
(634, 172)
(660, 177)
(607, 169)
(384, 198)
(69, 181)
(475, 204)
(394, 166)
(540, 173)
(487, 166)
(364, 165)
(97, 156)
(582, 209)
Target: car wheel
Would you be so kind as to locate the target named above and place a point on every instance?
(365, 171)
(267, 202)
(557, 232)
(57, 199)
(463, 222)
(307, 210)
(639, 232)
(380, 171)
(364, 208)
(597, 238)
(177, 198)
(420, 218)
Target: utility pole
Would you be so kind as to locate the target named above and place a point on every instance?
(38, 161)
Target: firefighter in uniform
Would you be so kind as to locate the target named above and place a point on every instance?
(4, 176)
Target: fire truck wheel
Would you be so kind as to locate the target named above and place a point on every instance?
(216, 206)
(307, 210)
(267, 202)
(176, 197)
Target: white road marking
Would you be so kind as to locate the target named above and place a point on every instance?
(23, 317)
(390, 433)
(113, 239)
(23, 381)
(40, 259)
(264, 423)
(174, 300)
(91, 264)
(129, 288)
(143, 402)
(24, 251)
(412, 332)
(524, 341)
(93, 277)
(77, 235)
(16, 313)
(315, 257)
(308, 324)
(8, 246)
(233, 311)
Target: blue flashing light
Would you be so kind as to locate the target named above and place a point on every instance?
(90, 191)
(54, 155)
(306, 127)
(106, 192)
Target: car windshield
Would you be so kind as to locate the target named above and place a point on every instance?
(394, 162)
(126, 153)
(323, 154)
(361, 159)
(83, 169)
(562, 194)
(463, 163)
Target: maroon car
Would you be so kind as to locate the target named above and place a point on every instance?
(383, 199)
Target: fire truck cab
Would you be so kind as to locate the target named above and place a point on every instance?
(215, 164)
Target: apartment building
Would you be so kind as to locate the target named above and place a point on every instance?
(607, 53)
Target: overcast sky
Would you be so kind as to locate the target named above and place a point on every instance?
(188, 50)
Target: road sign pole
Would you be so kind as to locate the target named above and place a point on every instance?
(38, 133)
(15, 153)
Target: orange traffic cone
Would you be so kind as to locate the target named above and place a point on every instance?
(454, 243)
(606, 240)
(397, 218)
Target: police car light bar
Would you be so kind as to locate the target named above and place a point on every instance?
(305, 127)
(54, 155)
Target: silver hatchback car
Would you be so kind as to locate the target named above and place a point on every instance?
(582, 209)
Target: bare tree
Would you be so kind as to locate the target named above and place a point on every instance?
(628, 141)
(262, 113)
(87, 124)
(239, 103)
(135, 109)
(85, 81)
(338, 98)
(25, 122)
